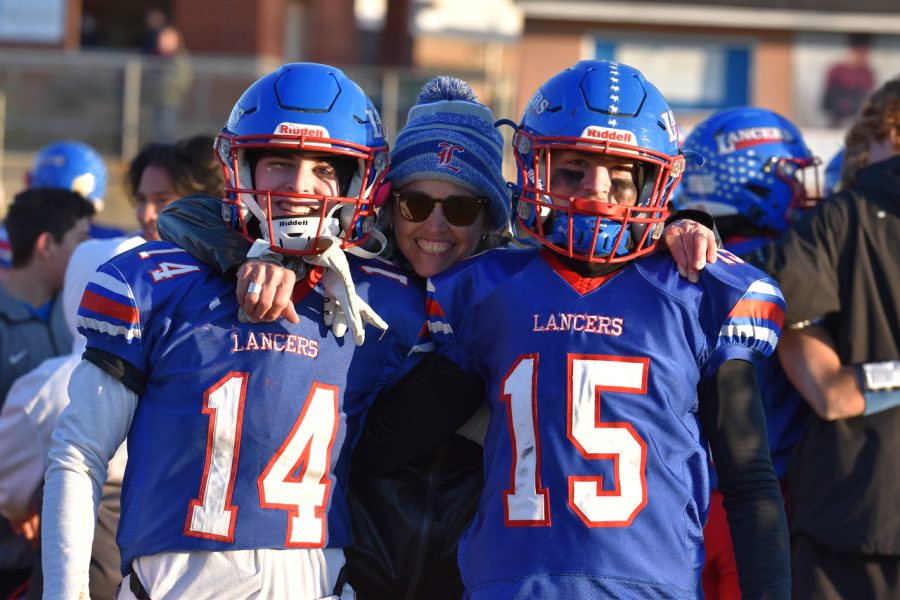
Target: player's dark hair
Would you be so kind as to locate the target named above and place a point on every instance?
(37, 210)
(191, 164)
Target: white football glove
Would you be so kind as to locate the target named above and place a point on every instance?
(343, 307)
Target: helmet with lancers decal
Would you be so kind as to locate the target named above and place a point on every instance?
(606, 111)
(70, 165)
(757, 165)
(312, 109)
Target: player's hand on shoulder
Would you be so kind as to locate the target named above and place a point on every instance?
(692, 246)
(264, 291)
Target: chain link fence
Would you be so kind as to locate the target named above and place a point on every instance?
(108, 99)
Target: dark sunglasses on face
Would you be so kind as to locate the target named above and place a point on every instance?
(460, 211)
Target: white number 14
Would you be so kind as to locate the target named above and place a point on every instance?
(309, 444)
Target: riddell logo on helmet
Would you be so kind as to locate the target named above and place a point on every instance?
(611, 135)
(300, 129)
(294, 223)
(752, 136)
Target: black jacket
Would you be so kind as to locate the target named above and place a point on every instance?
(842, 262)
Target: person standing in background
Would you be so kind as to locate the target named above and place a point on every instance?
(175, 78)
(848, 82)
(45, 225)
(162, 173)
(839, 271)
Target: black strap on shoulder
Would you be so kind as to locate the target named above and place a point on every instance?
(136, 587)
(339, 584)
(121, 369)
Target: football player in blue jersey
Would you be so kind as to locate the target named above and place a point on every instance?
(593, 351)
(239, 433)
(757, 178)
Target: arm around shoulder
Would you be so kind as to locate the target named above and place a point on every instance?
(195, 223)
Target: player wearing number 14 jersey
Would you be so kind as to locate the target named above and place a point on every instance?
(239, 434)
(596, 453)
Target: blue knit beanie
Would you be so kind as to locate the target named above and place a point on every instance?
(450, 136)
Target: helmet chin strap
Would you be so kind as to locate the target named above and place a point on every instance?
(294, 232)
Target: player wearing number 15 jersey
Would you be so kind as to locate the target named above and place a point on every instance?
(596, 453)
(239, 434)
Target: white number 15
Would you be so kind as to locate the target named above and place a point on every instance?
(527, 502)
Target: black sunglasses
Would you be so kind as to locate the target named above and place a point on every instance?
(460, 211)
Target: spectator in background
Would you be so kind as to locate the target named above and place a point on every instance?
(45, 225)
(154, 21)
(92, 33)
(848, 82)
(28, 418)
(175, 77)
(162, 173)
(839, 271)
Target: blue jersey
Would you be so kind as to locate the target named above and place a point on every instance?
(242, 433)
(595, 464)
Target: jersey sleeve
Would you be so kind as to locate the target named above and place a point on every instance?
(742, 312)
(110, 319)
(128, 307)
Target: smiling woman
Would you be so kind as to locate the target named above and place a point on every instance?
(436, 224)
(450, 199)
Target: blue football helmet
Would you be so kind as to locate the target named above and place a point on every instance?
(309, 108)
(70, 165)
(605, 108)
(756, 165)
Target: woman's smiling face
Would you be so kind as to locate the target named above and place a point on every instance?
(433, 245)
